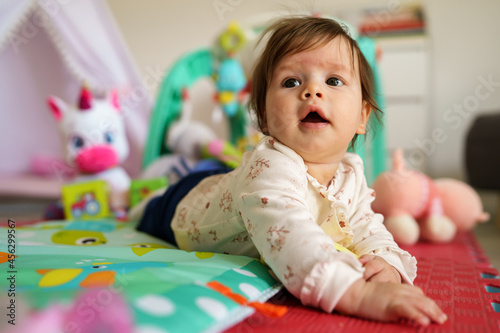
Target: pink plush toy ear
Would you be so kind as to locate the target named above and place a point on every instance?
(398, 160)
(57, 107)
(114, 100)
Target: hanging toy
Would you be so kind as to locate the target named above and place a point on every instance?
(230, 80)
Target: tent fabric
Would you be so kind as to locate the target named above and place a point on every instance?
(52, 47)
(12, 14)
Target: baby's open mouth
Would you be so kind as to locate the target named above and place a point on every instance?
(314, 117)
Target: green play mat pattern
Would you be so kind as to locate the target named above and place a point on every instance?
(165, 289)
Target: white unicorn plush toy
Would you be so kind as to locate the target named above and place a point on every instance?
(94, 142)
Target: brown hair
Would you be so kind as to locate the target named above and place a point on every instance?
(291, 35)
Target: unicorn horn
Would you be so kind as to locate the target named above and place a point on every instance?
(85, 98)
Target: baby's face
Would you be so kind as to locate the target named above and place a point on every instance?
(314, 102)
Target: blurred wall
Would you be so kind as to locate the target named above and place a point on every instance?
(465, 59)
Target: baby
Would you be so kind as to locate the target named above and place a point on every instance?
(299, 199)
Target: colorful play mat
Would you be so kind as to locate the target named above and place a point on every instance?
(82, 273)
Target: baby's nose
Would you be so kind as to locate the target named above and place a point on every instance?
(318, 94)
(312, 90)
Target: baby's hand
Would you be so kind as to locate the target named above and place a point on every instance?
(390, 302)
(378, 270)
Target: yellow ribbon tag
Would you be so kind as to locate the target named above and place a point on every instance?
(343, 249)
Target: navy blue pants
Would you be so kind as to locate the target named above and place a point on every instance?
(160, 210)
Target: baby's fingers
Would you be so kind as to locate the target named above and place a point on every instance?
(432, 311)
(366, 258)
(422, 311)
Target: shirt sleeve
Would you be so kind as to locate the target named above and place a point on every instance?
(370, 234)
(272, 204)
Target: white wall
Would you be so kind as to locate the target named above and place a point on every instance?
(465, 51)
(464, 42)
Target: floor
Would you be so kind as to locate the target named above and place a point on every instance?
(488, 234)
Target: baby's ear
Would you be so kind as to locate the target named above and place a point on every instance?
(264, 128)
(366, 109)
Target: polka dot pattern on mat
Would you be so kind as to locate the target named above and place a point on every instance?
(212, 307)
(244, 272)
(250, 291)
(156, 305)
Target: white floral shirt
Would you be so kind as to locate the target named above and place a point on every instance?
(271, 207)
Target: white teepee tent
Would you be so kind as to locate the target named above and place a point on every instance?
(51, 47)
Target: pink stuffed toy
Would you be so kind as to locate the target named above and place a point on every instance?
(414, 206)
(94, 142)
(86, 314)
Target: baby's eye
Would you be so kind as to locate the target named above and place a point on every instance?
(333, 81)
(290, 83)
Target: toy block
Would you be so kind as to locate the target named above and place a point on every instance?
(86, 200)
(141, 188)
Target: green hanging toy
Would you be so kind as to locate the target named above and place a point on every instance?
(230, 82)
